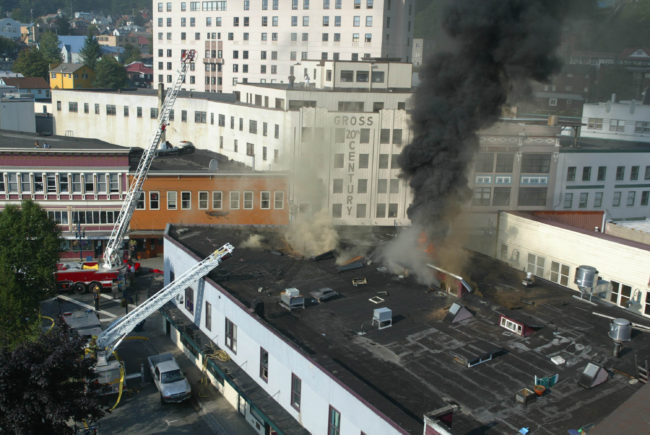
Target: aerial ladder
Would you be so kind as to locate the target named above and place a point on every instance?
(111, 253)
(110, 338)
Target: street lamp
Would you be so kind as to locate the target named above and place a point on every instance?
(80, 235)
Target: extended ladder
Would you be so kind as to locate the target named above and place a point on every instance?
(111, 254)
(112, 336)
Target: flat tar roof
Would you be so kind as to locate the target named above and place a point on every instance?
(18, 141)
(411, 368)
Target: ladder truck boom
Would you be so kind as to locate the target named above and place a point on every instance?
(111, 253)
(112, 336)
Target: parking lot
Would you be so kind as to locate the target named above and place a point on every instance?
(140, 410)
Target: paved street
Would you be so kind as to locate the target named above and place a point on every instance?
(140, 410)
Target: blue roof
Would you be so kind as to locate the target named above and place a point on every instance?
(73, 42)
(106, 49)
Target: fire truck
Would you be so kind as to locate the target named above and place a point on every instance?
(89, 276)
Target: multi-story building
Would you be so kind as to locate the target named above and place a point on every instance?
(620, 121)
(258, 42)
(81, 183)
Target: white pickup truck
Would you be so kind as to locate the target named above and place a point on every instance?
(169, 378)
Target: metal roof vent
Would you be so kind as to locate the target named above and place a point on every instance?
(383, 317)
(586, 279)
(620, 330)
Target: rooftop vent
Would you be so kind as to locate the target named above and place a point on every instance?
(383, 317)
(620, 330)
(586, 279)
(592, 375)
(291, 299)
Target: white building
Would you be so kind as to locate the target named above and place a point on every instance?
(622, 121)
(609, 175)
(552, 245)
(250, 42)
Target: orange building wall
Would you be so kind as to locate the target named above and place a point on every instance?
(156, 220)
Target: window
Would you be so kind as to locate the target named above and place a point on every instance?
(383, 161)
(602, 173)
(264, 364)
(369, 21)
(337, 185)
(482, 196)
(217, 200)
(305, 21)
(644, 197)
(634, 173)
(85, 107)
(338, 160)
(89, 184)
(250, 149)
(536, 162)
(397, 136)
(337, 210)
(296, 386)
(536, 265)
(234, 200)
(501, 196)
(208, 316)
(334, 420)
(186, 200)
(110, 109)
(172, 200)
(361, 210)
(265, 200)
(153, 113)
(362, 185)
(484, 162)
(620, 294)
(248, 200)
(616, 201)
(598, 199)
(642, 127)
(140, 205)
(617, 125)
(631, 198)
(154, 200)
(278, 200)
(595, 123)
(568, 200)
(532, 196)
(38, 182)
(126, 110)
(586, 173)
(559, 273)
(620, 173)
(203, 200)
(96, 108)
(200, 117)
(138, 112)
(571, 173)
(231, 335)
(51, 183)
(72, 106)
(584, 200)
(189, 299)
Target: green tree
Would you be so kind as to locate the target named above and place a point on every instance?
(131, 54)
(62, 26)
(45, 385)
(8, 47)
(31, 63)
(28, 255)
(48, 43)
(90, 52)
(109, 74)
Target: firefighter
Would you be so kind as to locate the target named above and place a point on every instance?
(97, 291)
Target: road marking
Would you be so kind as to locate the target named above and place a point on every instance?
(74, 301)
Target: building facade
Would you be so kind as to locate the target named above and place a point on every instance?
(71, 76)
(553, 246)
(620, 121)
(257, 42)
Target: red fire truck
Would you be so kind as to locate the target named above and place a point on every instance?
(89, 276)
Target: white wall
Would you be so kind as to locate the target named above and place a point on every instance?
(628, 113)
(615, 261)
(319, 388)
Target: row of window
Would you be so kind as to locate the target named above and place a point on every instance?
(362, 186)
(583, 199)
(361, 210)
(601, 174)
(222, 5)
(336, 37)
(214, 200)
(500, 196)
(382, 163)
(52, 182)
(618, 125)
(200, 117)
(356, 21)
(230, 339)
(539, 180)
(531, 163)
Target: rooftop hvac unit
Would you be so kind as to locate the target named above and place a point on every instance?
(383, 317)
(291, 299)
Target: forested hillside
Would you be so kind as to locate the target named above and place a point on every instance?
(25, 10)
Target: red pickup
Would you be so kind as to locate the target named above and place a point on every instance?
(88, 276)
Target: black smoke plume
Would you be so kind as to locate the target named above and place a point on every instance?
(498, 43)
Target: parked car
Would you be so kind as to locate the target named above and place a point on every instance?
(169, 378)
(324, 294)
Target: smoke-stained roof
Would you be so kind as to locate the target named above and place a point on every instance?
(409, 369)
